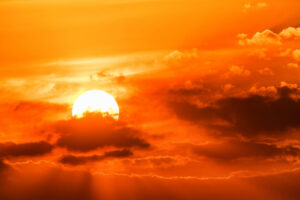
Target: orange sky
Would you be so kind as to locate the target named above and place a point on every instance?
(208, 94)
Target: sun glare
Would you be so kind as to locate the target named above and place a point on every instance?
(95, 101)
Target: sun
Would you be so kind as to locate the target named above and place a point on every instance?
(95, 101)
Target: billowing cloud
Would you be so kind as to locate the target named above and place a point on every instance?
(94, 131)
(296, 54)
(248, 115)
(264, 38)
(78, 160)
(290, 33)
(266, 71)
(237, 70)
(269, 42)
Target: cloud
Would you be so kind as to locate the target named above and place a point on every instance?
(237, 70)
(250, 115)
(118, 77)
(78, 160)
(94, 131)
(25, 121)
(293, 65)
(258, 5)
(263, 90)
(156, 161)
(25, 149)
(264, 38)
(271, 45)
(186, 91)
(290, 33)
(32, 107)
(296, 54)
(178, 56)
(247, 6)
(236, 149)
(262, 4)
(268, 37)
(227, 87)
(266, 71)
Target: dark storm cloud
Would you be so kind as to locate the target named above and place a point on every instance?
(235, 149)
(26, 149)
(251, 115)
(94, 131)
(78, 160)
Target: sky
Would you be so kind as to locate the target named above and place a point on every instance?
(208, 93)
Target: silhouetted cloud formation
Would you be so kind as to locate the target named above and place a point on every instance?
(236, 149)
(251, 115)
(78, 160)
(25, 149)
(94, 131)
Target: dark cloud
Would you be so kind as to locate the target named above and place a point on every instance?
(94, 131)
(78, 160)
(236, 149)
(192, 112)
(25, 149)
(251, 115)
(187, 91)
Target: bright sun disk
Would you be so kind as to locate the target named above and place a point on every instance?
(95, 101)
